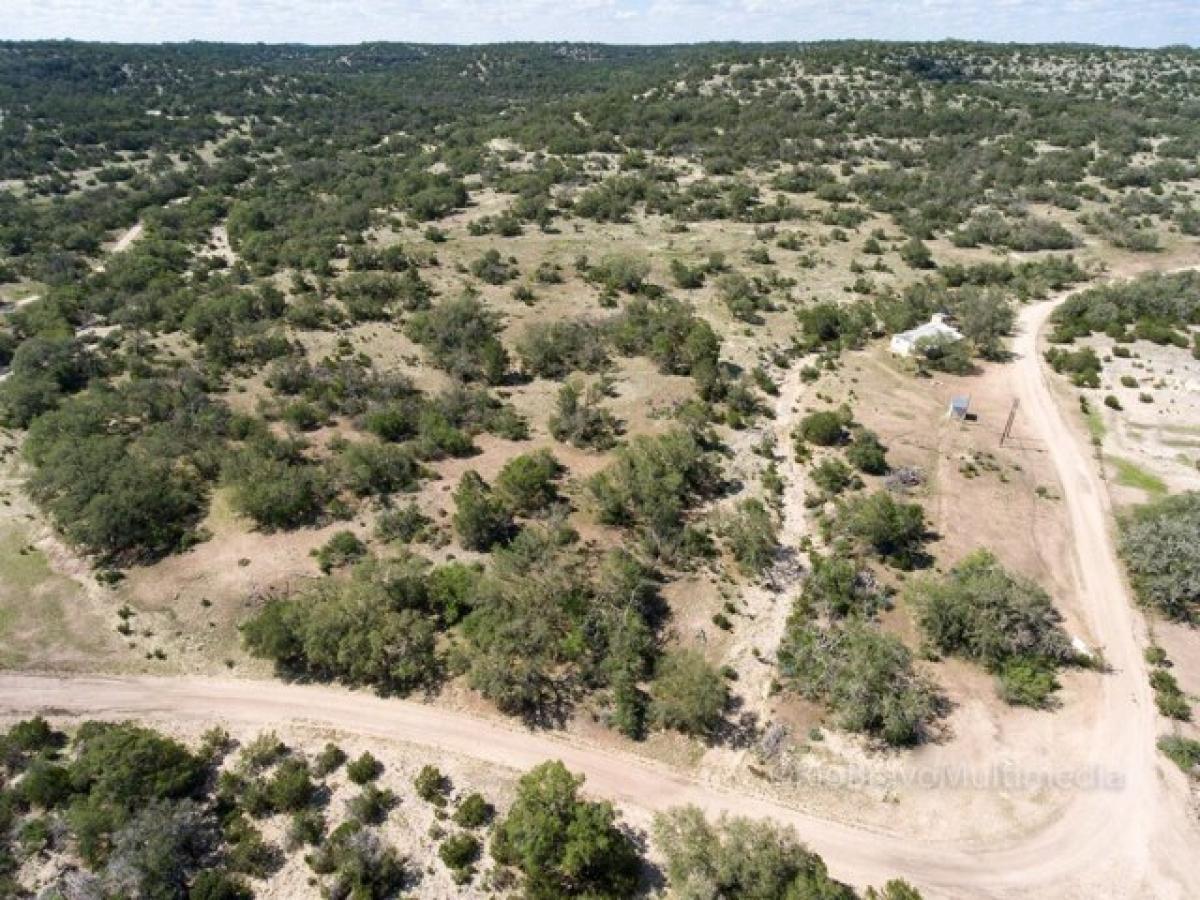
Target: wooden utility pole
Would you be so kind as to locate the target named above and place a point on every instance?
(1012, 414)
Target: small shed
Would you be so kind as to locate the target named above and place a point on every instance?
(959, 407)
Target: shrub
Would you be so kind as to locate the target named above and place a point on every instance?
(867, 453)
(372, 805)
(1159, 547)
(27, 739)
(833, 326)
(666, 330)
(276, 493)
(688, 694)
(894, 530)
(1159, 303)
(374, 628)
(473, 812)
(824, 428)
(580, 420)
(493, 269)
(246, 851)
(916, 254)
(687, 277)
(302, 415)
(480, 518)
(307, 827)
(944, 353)
(156, 853)
(741, 296)
(1004, 622)
(45, 785)
(460, 336)
(833, 476)
(262, 752)
(837, 587)
(739, 858)
(406, 524)
(459, 851)
(555, 349)
(1168, 697)
(370, 468)
(133, 493)
(1082, 365)
(1183, 751)
(864, 675)
(526, 483)
(1024, 233)
(360, 865)
(539, 589)
(1025, 682)
(431, 785)
(127, 765)
(342, 548)
(290, 788)
(363, 769)
(621, 272)
(329, 760)
(213, 884)
(753, 537)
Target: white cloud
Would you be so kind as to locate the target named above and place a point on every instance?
(1131, 22)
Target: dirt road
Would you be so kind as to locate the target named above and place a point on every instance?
(1135, 841)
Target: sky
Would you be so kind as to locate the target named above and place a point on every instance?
(1135, 23)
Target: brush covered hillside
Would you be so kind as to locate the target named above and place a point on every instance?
(550, 383)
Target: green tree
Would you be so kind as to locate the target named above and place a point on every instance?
(985, 318)
(739, 857)
(127, 765)
(154, 855)
(563, 845)
(688, 694)
(650, 485)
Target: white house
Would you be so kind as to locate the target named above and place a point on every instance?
(905, 342)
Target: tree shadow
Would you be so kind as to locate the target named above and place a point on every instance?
(652, 881)
(554, 706)
(739, 729)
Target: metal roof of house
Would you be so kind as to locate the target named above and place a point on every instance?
(935, 328)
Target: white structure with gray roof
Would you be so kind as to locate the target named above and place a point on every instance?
(905, 342)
